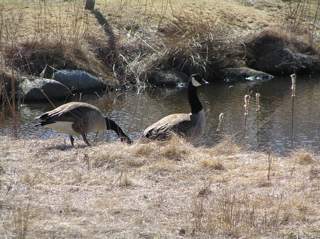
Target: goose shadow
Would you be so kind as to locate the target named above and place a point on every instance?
(63, 147)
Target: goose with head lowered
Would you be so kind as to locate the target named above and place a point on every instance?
(78, 118)
(190, 126)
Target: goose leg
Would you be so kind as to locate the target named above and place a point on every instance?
(85, 139)
(71, 140)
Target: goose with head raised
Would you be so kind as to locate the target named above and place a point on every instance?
(78, 118)
(190, 126)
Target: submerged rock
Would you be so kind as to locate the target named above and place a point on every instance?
(232, 75)
(80, 81)
(40, 89)
(168, 78)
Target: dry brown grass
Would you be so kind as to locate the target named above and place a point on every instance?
(155, 190)
(55, 35)
(142, 37)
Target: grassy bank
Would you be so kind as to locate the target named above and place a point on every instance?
(130, 40)
(127, 42)
(155, 190)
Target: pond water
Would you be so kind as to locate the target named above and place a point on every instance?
(283, 122)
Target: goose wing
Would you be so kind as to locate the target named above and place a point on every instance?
(67, 112)
(175, 123)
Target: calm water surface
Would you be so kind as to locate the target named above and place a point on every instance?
(280, 125)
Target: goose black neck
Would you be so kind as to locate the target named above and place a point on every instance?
(116, 128)
(194, 101)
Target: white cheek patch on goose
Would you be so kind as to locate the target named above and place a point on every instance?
(195, 82)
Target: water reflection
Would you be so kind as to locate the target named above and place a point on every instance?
(270, 127)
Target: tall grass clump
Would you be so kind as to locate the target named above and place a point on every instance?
(234, 214)
(53, 36)
(174, 38)
(196, 45)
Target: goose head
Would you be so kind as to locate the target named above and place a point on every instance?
(197, 80)
(110, 124)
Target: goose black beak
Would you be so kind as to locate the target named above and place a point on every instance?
(126, 139)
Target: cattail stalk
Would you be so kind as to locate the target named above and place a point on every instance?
(246, 104)
(257, 101)
(257, 110)
(293, 94)
(220, 121)
(229, 98)
(269, 165)
(229, 93)
(246, 111)
(293, 87)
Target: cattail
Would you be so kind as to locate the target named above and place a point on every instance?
(220, 121)
(229, 93)
(293, 94)
(257, 101)
(246, 104)
(246, 112)
(293, 87)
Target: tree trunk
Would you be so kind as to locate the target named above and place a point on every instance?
(90, 4)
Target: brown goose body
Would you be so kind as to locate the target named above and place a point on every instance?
(78, 118)
(190, 126)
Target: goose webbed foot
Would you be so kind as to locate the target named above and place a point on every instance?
(71, 140)
(84, 136)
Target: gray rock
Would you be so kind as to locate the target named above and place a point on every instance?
(168, 78)
(272, 52)
(80, 81)
(285, 61)
(232, 75)
(41, 89)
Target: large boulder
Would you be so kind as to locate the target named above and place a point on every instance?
(80, 81)
(40, 89)
(285, 61)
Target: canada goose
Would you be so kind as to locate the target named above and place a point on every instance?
(77, 118)
(190, 126)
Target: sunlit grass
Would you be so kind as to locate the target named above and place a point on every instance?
(167, 187)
